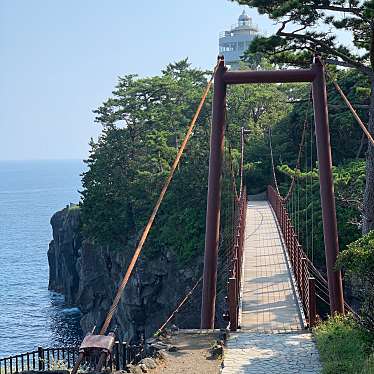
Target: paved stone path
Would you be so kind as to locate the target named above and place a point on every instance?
(272, 338)
(261, 353)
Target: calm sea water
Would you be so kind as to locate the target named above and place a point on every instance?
(30, 315)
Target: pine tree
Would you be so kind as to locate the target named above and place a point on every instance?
(307, 27)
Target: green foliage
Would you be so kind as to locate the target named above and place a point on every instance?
(143, 125)
(344, 130)
(349, 172)
(344, 346)
(358, 258)
(305, 205)
(255, 107)
(290, 107)
(358, 262)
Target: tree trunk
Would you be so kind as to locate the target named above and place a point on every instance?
(368, 211)
(362, 144)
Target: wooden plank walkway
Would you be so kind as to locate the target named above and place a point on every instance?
(272, 338)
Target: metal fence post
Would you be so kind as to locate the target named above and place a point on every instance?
(303, 280)
(116, 355)
(312, 302)
(233, 310)
(41, 363)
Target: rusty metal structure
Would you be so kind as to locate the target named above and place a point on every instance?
(100, 346)
(223, 77)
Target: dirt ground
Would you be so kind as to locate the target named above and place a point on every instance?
(193, 355)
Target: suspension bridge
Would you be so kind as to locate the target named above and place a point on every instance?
(271, 284)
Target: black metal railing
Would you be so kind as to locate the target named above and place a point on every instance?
(55, 358)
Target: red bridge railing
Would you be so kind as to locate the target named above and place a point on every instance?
(299, 261)
(236, 261)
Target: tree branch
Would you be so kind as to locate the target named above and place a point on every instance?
(355, 11)
(343, 107)
(301, 28)
(363, 68)
(339, 63)
(333, 106)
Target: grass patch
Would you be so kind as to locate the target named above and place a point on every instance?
(344, 346)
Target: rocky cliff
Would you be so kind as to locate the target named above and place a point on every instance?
(88, 275)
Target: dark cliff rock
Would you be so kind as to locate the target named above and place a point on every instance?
(88, 276)
(63, 253)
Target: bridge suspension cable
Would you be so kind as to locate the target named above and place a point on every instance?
(273, 164)
(180, 305)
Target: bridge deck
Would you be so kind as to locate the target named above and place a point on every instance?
(271, 338)
(269, 302)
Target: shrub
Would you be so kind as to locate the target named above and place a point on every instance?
(344, 346)
(358, 262)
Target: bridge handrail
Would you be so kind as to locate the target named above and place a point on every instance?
(305, 282)
(236, 261)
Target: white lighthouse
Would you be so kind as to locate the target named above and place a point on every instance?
(233, 43)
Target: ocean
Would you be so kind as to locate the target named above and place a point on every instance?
(30, 315)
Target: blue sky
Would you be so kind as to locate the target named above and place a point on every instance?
(60, 59)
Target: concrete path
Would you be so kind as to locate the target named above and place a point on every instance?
(272, 338)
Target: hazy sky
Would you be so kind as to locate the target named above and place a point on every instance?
(60, 59)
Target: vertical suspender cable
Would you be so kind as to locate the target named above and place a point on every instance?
(298, 205)
(306, 198)
(311, 187)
